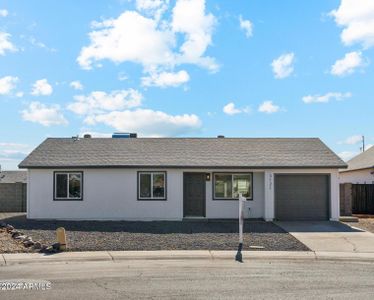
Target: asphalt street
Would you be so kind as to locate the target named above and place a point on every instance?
(194, 279)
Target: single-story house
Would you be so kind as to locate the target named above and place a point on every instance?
(175, 178)
(360, 169)
(13, 176)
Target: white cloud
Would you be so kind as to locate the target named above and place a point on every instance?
(352, 140)
(347, 155)
(13, 150)
(326, 98)
(230, 109)
(247, 26)
(76, 84)
(12, 153)
(155, 44)
(357, 18)
(166, 79)
(153, 8)
(6, 44)
(41, 88)
(122, 76)
(283, 65)
(268, 107)
(198, 33)
(19, 94)
(148, 122)
(45, 115)
(347, 64)
(99, 101)
(7, 84)
(130, 37)
(36, 43)
(3, 13)
(95, 134)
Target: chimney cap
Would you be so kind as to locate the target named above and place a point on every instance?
(220, 136)
(87, 136)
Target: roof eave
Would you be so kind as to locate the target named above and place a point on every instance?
(178, 167)
(357, 169)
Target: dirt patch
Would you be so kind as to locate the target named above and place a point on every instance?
(9, 245)
(364, 223)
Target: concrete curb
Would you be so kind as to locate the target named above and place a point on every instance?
(115, 256)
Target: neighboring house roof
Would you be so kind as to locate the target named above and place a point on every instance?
(13, 176)
(183, 152)
(364, 160)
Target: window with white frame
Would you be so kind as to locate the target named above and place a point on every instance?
(228, 186)
(68, 185)
(152, 185)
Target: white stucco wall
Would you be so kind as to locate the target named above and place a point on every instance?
(107, 194)
(111, 194)
(357, 177)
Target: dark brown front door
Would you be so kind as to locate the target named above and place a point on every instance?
(194, 194)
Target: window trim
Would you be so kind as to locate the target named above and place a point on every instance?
(54, 186)
(232, 174)
(151, 198)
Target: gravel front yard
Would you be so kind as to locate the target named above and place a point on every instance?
(121, 235)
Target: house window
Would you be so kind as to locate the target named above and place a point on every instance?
(152, 185)
(227, 186)
(68, 185)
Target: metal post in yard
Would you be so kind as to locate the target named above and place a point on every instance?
(239, 256)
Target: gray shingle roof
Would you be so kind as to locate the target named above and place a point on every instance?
(13, 176)
(365, 160)
(183, 152)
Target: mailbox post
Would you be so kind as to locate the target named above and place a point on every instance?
(239, 256)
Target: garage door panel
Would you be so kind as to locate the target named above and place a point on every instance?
(302, 197)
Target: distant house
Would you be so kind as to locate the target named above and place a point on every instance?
(132, 178)
(360, 169)
(13, 176)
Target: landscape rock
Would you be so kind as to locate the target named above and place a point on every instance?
(27, 238)
(49, 250)
(37, 246)
(20, 237)
(9, 227)
(16, 234)
(56, 246)
(3, 224)
(28, 243)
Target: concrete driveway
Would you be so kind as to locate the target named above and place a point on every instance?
(330, 236)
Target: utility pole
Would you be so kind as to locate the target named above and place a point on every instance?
(363, 143)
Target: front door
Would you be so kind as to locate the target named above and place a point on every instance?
(194, 194)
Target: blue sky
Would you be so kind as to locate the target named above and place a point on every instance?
(186, 68)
